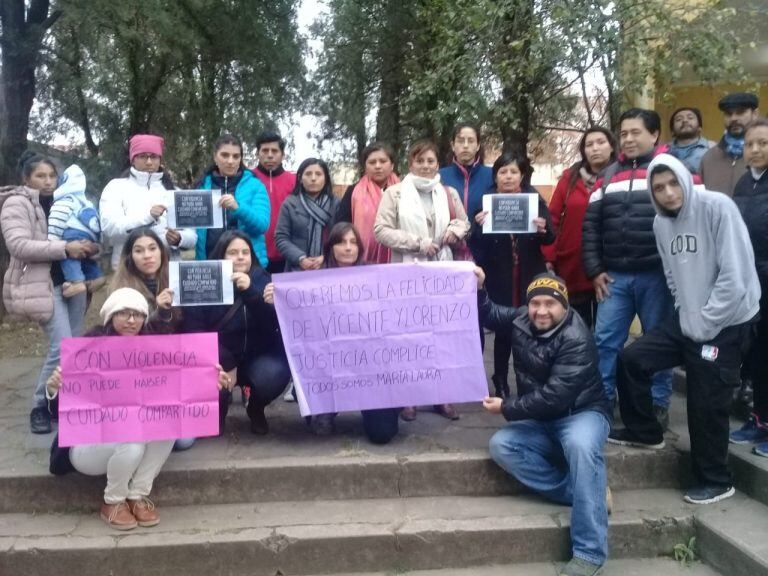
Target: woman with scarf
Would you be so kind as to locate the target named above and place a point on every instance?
(306, 216)
(244, 199)
(510, 261)
(421, 220)
(136, 199)
(568, 205)
(361, 200)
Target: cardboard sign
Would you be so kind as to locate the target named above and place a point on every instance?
(194, 209)
(138, 388)
(510, 213)
(201, 282)
(382, 336)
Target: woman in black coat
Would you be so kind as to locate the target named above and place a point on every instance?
(510, 261)
(250, 347)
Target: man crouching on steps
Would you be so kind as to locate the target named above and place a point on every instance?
(710, 269)
(560, 418)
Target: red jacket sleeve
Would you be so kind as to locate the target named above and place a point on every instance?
(555, 209)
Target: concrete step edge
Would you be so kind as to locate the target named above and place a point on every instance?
(333, 537)
(733, 540)
(466, 473)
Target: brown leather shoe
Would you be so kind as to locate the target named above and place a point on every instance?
(447, 411)
(118, 516)
(408, 414)
(144, 511)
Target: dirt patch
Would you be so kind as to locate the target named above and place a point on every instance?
(27, 338)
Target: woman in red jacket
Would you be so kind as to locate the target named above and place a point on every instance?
(567, 207)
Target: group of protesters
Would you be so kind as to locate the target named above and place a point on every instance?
(676, 234)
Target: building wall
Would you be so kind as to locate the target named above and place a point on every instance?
(705, 98)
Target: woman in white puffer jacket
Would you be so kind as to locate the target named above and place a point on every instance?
(138, 199)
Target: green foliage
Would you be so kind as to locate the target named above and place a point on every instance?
(685, 553)
(518, 67)
(188, 70)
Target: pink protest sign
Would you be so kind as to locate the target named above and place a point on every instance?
(138, 388)
(382, 336)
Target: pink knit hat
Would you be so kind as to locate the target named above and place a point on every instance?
(145, 144)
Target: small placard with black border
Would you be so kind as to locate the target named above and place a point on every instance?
(510, 213)
(194, 209)
(201, 282)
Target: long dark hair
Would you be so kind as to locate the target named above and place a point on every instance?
(30, 160)
(574, 170)
(514, 157)
(219, 251)
(299, 188)
(335, 236)
(128, 276)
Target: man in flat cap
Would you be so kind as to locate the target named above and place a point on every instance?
(723, 165)
(560, 418)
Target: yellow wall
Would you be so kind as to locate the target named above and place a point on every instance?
(705, 98)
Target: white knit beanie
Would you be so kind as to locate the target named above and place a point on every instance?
(123, 299)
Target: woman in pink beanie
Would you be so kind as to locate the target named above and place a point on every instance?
(136, 199)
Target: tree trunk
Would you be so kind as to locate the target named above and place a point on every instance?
(20, 43)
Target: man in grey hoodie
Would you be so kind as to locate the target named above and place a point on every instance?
(710, 269)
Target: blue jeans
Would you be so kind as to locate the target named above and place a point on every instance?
(78, 270)
(563, 461)
(67, 321)
(632, 293)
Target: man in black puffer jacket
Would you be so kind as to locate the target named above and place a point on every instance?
(619, 252)
(560, 419)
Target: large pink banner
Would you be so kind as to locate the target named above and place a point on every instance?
(138, 388)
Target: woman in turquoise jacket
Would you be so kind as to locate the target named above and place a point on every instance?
(243, 197)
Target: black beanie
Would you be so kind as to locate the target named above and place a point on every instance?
(548, 285)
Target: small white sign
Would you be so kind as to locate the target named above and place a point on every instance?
(201, 282)
(194, 209)
(510, 213)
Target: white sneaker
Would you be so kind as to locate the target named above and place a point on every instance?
(288, 396)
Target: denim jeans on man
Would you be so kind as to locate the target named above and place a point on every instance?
(563, 461)
(67, 321)
(75, 270)
(632, 293)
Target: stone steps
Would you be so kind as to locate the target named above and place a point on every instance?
(470, 473)
(331, 537)
(643, 567)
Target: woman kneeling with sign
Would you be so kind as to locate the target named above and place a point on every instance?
(131, 467)
(250, 347)
(344, 248)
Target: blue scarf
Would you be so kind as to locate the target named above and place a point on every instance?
(734, 146)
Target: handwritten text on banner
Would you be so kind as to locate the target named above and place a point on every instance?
(382, 336)
(138, 388)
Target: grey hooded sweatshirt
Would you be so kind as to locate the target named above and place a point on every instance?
(707, 256)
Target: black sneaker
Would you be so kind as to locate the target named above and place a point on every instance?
(705, 494)
(623, 437)
(40, 420)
